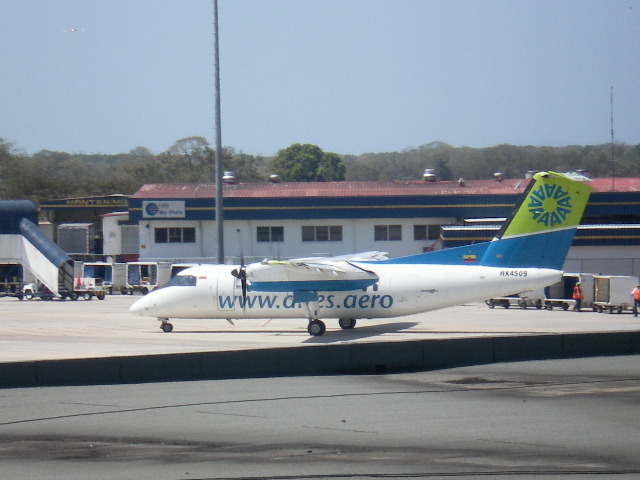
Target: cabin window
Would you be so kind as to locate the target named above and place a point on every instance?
(183, 281)
(387, 233)
(270, 234)
(426, 232)
(332, 233)
(175, 235)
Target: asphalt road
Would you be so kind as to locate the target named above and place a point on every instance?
(570, 419)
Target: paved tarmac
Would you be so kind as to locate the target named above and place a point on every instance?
(555, 419)
(559, 419)
(34, 330)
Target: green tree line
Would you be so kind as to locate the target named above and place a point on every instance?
(53, 175)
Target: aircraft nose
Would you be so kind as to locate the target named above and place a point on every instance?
(144, 306)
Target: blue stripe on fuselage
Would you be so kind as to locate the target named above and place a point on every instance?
(311, 285)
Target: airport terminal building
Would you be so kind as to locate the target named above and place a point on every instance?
(288, 220)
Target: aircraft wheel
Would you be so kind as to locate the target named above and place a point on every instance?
(316, 328)
(166, 327)
(347, 323)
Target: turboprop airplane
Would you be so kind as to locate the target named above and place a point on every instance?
(528, 253)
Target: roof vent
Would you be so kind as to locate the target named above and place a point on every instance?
(273, 178)
(530, 174)
(498, 177)
(461, 182)
(229, 178)
(429, 175)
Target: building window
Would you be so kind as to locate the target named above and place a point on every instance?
(175, 235)
(162, 235)
(331, 233)
(426, 232)
(270, 234)
(387, 233)
(188, 235)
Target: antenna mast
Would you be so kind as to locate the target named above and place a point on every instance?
(613, 166)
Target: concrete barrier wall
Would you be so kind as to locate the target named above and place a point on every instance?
(356, 358)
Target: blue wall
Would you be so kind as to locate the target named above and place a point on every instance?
(417, 206)
(12, 212)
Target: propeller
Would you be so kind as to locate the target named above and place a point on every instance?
(241, 274)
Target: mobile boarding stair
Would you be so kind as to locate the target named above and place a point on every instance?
(21, 241)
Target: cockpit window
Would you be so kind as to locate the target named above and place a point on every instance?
(182, 281)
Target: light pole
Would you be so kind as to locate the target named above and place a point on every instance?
(218, 169)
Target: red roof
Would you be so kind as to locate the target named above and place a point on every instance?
(363, 189)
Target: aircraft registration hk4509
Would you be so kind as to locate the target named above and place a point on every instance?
(528, 253)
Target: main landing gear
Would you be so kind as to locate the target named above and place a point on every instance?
(317, 327)
(347, 323)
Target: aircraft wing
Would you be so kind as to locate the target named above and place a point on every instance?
(309, 276)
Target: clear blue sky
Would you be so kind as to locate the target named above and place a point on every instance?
(351, 76)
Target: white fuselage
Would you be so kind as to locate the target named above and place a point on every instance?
(401, 290)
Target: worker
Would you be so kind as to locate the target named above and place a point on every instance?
(577, 296)
(635, 293)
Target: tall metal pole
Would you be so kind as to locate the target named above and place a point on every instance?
(613, 166)
(219, 211)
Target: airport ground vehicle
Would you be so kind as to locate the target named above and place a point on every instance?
(85, 288)
(613, 293)
(521, 301)
(111, 276)
(602, 293)
(560, 294)
(145, 277)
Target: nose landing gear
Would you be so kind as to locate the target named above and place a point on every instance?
(165, 325)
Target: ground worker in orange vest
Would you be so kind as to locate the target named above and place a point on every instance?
(577, 296)
(635, 293)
